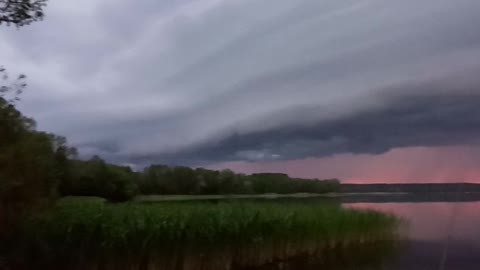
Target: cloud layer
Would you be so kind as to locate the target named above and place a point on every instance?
(194, 82)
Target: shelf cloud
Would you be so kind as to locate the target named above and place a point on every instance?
(207, 81)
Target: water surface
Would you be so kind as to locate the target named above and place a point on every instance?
(440, 235)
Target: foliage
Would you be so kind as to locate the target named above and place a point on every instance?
(89, 228)
(31, 162)
(159, 179)
(11, 90)
(125, 225)
(117, 183)
(97, 178)
(21, 12)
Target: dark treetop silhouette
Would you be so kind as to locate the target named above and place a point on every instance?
(21, 12)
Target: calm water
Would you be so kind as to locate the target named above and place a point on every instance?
(441, 235)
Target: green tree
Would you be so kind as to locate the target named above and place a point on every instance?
(28, 166)
(95, 177)
(208, 181)
(184, 180)
(155, 179)
(32, 163)
(26, 157)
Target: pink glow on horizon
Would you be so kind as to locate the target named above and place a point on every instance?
(433, 221)
(400, 165)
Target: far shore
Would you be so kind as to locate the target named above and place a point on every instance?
(154, 198)
(342, 196)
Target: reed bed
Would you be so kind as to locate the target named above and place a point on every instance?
(147, 236)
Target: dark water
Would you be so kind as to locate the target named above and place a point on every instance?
(440, 235)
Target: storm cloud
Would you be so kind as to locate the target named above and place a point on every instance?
(195, 82)
(438, 113)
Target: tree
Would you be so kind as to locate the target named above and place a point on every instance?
(32, 163)
(28, 158)
(21, 12)
(95, 177)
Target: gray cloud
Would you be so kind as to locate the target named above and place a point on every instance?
(212, 80)
(433, 113)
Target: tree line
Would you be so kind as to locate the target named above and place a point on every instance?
(95, 177)
(37, 165)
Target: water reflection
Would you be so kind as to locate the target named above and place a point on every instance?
(444, 235)
(361, 256)
(369, 255)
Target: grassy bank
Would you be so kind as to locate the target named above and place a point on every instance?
(90, 230)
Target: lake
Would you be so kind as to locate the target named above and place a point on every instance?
(440, 235)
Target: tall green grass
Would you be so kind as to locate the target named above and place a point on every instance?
(91, 230)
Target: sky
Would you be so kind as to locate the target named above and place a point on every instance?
(361, 90)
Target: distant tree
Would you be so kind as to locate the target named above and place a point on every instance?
(160, 179)
(95, 177)
(21, 12)
(208, 181)
(156, 179)
(184, 180)
(228, 183)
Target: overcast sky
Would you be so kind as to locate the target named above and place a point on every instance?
(205, 82)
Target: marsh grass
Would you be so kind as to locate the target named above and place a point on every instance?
(91, 233)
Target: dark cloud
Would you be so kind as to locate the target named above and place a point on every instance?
(436, 113)
(212, 80)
